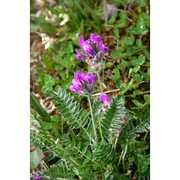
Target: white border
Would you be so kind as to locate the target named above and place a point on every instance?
(165, 91)
(14, 90)
(165, 94)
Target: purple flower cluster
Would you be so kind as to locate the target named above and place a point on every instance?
(38, 175)
(94, 51)
(82, 83)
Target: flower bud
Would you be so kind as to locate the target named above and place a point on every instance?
(106, 101)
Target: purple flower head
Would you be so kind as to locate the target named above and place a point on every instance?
(85, 46)
(95, 38)
(82, 83)
(102, 47)
(105, 99)
(94, 51)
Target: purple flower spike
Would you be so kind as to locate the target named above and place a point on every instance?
(79, 56)
(105, 99)
(94, 51)
(82, 83)
(95, 38)
(102, 47)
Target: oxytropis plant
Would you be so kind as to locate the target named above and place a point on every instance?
(89, 137)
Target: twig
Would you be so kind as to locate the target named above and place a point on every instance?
(140, 93)
(114, 90)
(92, 116)
(97, 94)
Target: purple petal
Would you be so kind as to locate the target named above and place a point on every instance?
(86, 47)
(81, 41)
(79, 75)
(79, 55)
(75, 87)
(82, 77)
(102, 47)
(87, 79)
(95, 38)
(104, 98)
(76, 81)
(93, 77)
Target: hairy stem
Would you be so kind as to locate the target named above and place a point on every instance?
(62, 127)
(92, 116)
(86, 130)
(100, 130)
(100, 83)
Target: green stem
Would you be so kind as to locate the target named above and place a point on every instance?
(100, 83)
(86, 130)
(103, 178)
(62, 128)
(93, 123)
(100, 130)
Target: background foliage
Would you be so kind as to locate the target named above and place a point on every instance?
(55, 131)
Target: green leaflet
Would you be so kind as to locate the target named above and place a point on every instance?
(115, 118)
(61, 170)
(68, 108)
(104, 153)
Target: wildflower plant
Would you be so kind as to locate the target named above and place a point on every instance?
(92, 140)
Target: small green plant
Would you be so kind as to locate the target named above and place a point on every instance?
(99, 130)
